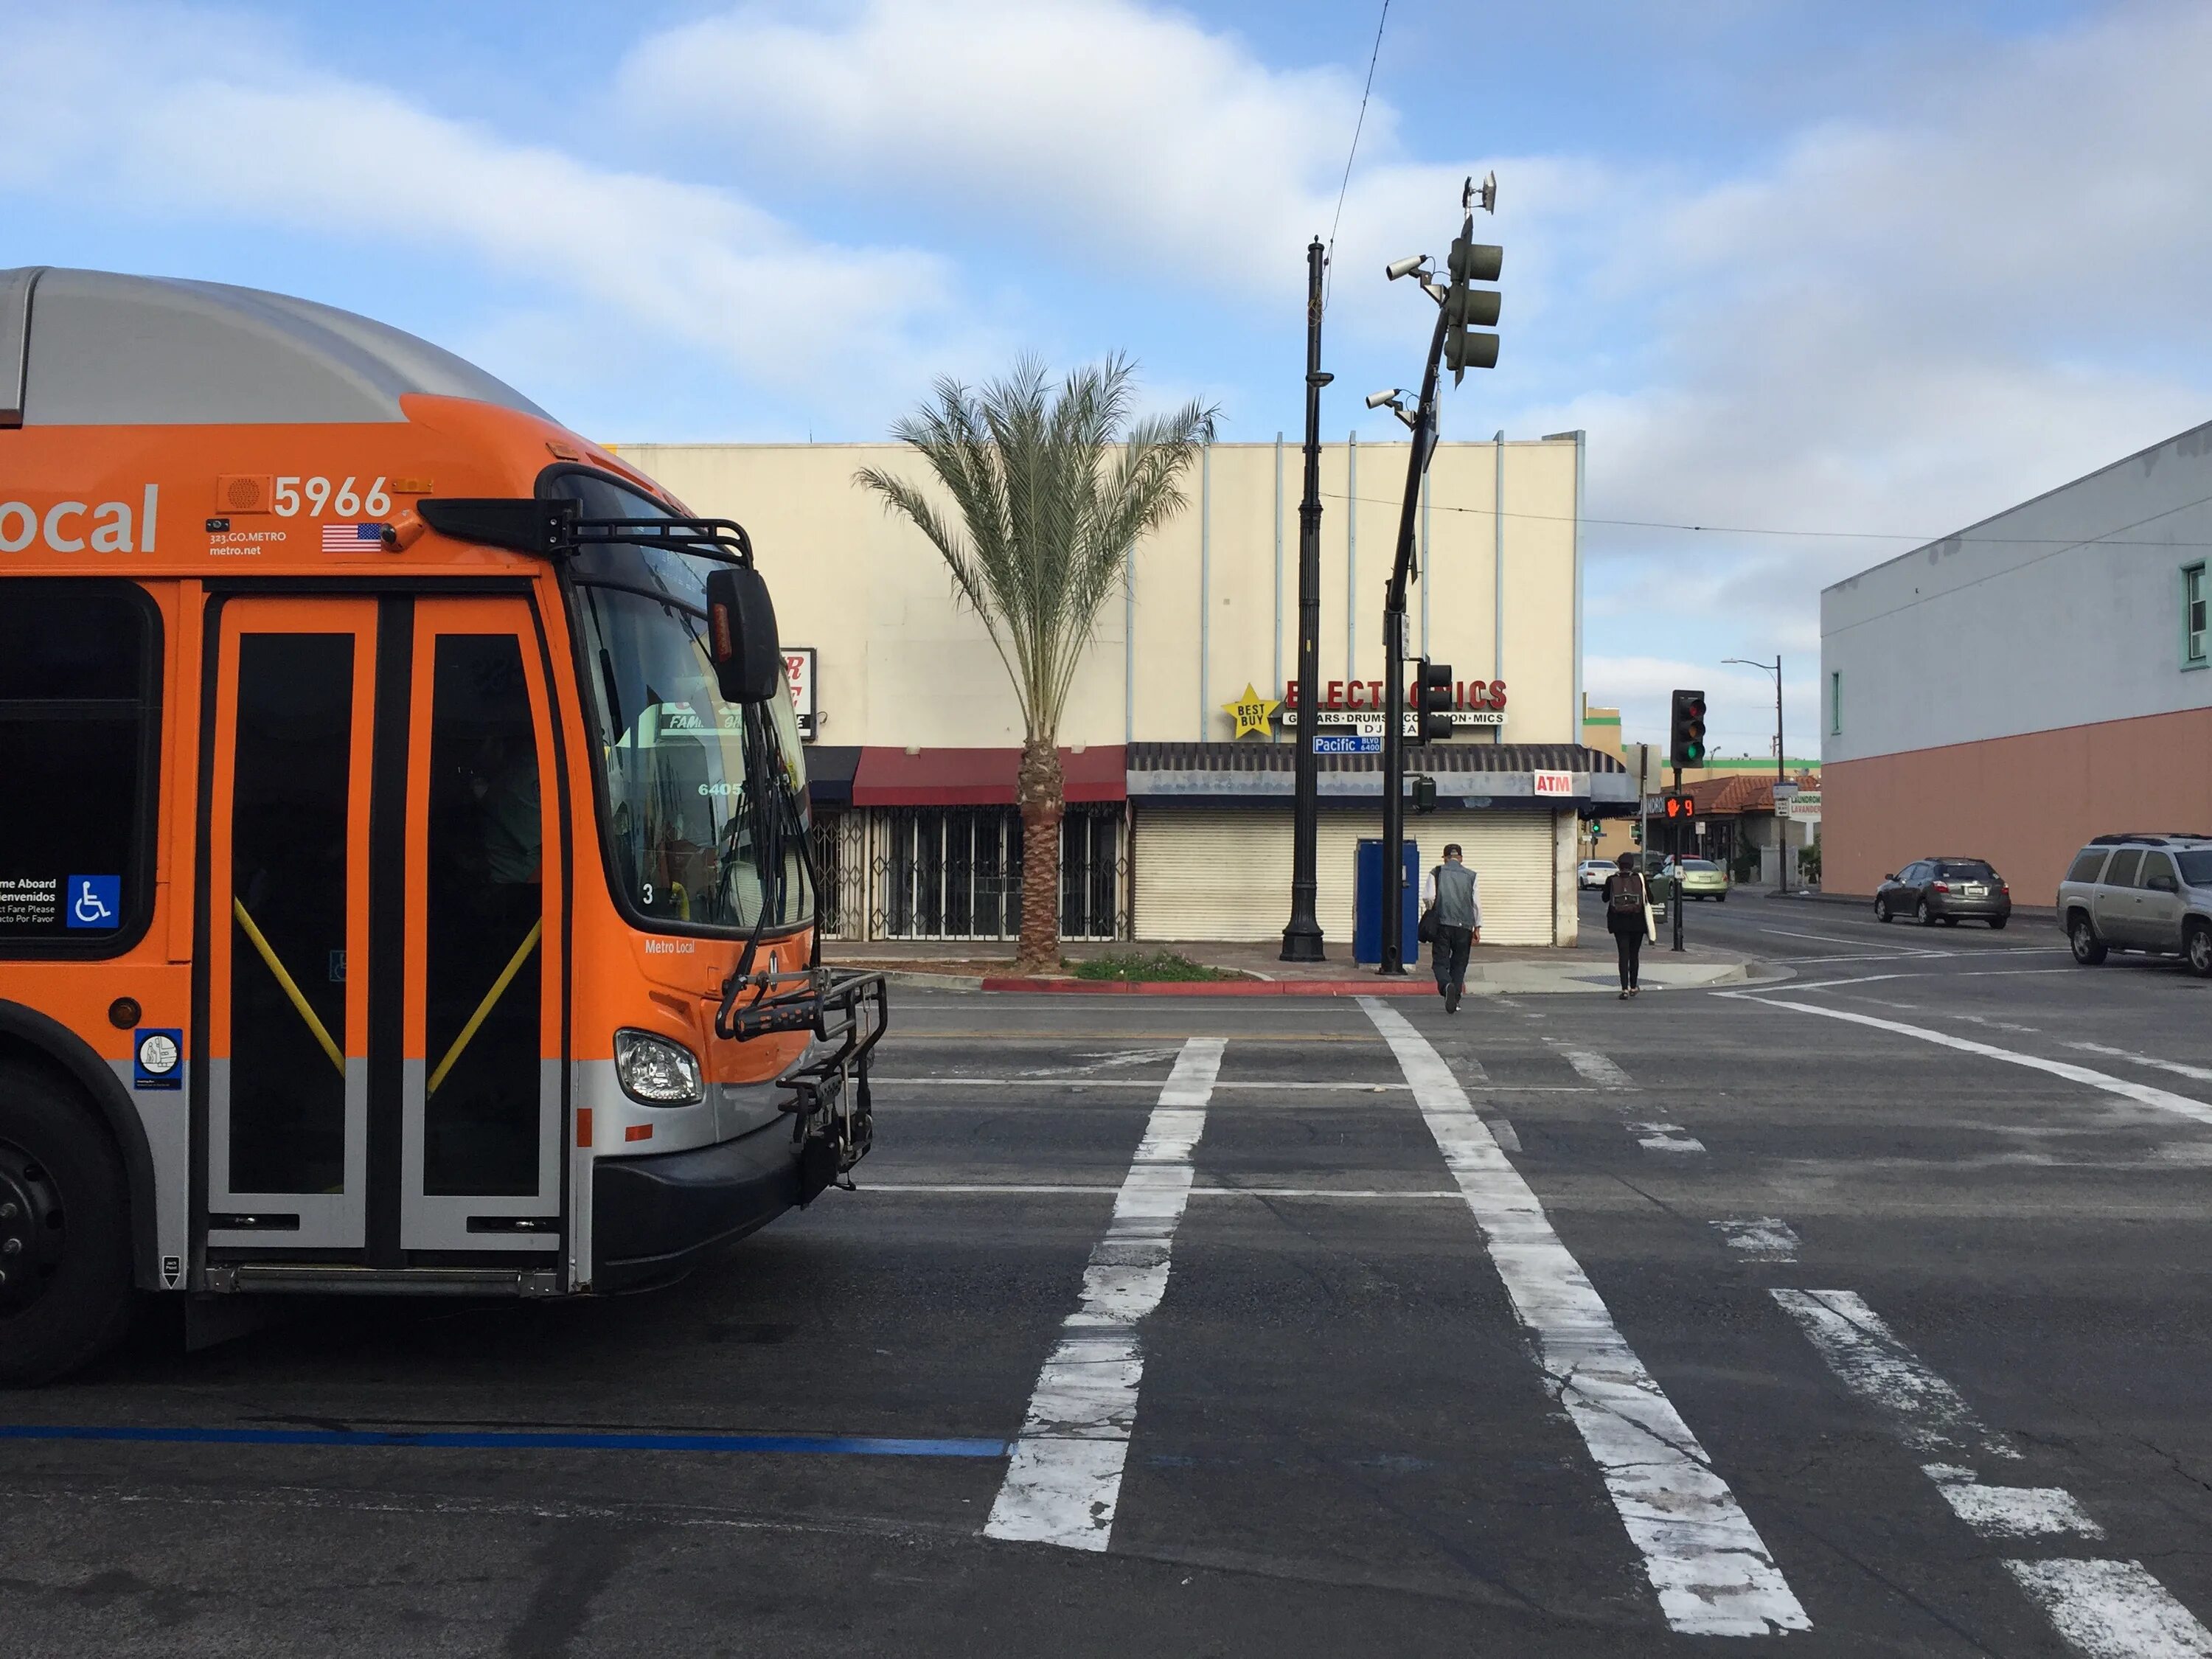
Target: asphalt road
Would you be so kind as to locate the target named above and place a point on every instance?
(1867, 1305)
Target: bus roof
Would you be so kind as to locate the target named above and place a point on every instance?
(93, 347)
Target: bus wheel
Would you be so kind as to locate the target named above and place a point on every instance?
(65, 1291)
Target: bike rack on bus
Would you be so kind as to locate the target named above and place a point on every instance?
(847, 1009)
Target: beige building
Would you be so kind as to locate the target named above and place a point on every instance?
(1179, 822)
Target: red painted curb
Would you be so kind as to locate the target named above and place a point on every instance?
(1218, 987)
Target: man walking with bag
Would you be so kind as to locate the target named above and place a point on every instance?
(1448, 905)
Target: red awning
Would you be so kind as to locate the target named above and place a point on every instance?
(978, 777)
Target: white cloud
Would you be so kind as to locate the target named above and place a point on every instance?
(1905, 323)
(153, 114)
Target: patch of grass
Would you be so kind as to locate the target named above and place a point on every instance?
(1143, 966)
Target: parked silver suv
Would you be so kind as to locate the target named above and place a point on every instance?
(2140, 892)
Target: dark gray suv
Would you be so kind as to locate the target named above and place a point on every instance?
(1948, 890)
(2140, 892)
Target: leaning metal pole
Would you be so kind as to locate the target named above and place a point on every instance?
(1302, 937)
(1394, 668)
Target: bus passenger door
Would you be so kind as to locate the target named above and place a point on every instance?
(287, 922)
(480, 1076)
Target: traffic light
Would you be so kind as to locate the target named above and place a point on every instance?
(1678, 813)
(1433, 703)
(1468, 310)
(1685, 730)
(1423, 793)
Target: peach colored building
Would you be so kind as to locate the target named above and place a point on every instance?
(2037, 679)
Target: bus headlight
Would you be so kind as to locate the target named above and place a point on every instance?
(655, 1072)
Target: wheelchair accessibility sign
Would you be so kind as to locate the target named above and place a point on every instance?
(93, 901)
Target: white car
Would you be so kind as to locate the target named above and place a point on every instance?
(1592, 872)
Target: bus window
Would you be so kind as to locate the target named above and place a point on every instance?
(289, 882)
(706, 801)
(484, 864)
(79, 731)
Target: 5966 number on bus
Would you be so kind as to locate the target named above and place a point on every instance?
(319, 497)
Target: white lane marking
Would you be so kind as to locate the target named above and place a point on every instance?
(1588, 1063)
(1667, 1138)
(1022, 1189)
(1826, 938)
(1994, 1025)
(1064, 1478)
(1712, 1572)
(1869, 956)
(2010, 1512)
(2104, 1609)
(2202, 1074)
(1838, 939)
(1768, 1238)
(1504, 1133)
(1045, 1081)
(1868, 1359)
(2112, 1610)
(2141, 1093)
(1824, 984)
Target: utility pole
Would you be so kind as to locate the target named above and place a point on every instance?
(1781, 766)
(1456, 345)
(1302, 936)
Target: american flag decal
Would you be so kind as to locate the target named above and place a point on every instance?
(352, 538)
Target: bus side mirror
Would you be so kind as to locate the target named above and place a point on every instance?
(741, 635)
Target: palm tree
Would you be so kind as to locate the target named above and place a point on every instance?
(1051, 493)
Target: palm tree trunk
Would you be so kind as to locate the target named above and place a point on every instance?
(1042, 792)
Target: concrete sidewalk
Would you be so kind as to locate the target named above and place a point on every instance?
(1494, 970)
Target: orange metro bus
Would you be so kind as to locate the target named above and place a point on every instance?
(404, 869)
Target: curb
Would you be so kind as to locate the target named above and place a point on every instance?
(931, 982)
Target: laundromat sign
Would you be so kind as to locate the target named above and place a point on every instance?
(1348, 702)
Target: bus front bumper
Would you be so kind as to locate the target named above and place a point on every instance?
(654, 1219)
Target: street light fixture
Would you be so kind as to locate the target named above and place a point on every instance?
(1780, 765)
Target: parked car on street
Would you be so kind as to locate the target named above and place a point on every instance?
(1701, 879)
(1592, 872)
(1948, 890)
(2140, 892)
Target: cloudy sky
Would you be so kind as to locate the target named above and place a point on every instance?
(1867, 272)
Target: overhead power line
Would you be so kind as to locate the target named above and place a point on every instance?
(1357, 126)
(1812, 535)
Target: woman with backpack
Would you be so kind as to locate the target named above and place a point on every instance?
(1627, 918)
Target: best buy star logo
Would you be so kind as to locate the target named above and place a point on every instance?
(1250, 711)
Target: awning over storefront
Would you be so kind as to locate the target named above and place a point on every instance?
(830, 770)
(978, 777)
(1473, 777)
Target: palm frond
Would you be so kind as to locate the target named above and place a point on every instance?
(1051, 492)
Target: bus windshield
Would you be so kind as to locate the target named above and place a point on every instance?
(705, 800)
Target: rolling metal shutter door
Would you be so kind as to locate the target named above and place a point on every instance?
(1212, 874)
(1511, 854)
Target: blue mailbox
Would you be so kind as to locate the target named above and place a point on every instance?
(1367, 902)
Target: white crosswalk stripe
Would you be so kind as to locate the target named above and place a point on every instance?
(2102, 1608)
(1063, 1481)
(1713, 1573)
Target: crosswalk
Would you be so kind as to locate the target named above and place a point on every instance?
(1708, 1567)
